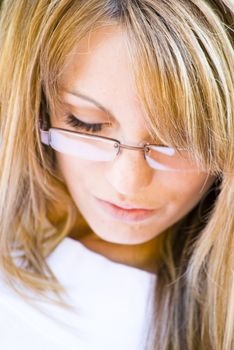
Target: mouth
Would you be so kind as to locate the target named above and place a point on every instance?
(124, 214)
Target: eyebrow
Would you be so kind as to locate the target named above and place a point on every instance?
(90, 99)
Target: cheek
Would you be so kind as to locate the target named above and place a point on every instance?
(77, 174)
(183, 192)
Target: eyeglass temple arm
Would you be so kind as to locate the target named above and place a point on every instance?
(44, 135)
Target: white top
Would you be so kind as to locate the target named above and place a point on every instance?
(113, 303)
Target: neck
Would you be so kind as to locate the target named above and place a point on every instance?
(144, 256)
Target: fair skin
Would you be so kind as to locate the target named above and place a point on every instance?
(100, 69)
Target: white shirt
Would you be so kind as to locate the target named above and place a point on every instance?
(112, 300)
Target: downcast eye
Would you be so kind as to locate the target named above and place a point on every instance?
(81, 125)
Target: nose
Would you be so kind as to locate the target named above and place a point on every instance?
(129, 173)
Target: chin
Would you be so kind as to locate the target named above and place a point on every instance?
(123, 238)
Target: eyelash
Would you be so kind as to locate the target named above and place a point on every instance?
(79, 124)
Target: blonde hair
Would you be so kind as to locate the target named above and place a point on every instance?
(182, 54)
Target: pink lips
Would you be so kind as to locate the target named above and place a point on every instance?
(125, 214)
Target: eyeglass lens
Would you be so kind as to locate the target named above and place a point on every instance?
(98, 149)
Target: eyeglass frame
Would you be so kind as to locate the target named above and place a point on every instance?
(45, 139)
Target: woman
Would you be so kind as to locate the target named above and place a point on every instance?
(117, 184)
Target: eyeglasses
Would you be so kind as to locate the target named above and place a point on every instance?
(105, 149)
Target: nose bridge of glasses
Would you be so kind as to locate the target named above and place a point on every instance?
(141, 147)
(131, 147)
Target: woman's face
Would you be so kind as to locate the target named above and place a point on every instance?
(100, 69)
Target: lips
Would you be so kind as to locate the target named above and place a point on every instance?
(123, 213)
(127, 207)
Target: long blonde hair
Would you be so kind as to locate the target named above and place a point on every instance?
(182, 54)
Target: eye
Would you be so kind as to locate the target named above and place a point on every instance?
(81, 125)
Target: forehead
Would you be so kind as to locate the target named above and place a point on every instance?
(99, 54)
(100, 67)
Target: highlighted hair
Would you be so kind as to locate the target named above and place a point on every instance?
(182, 55)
